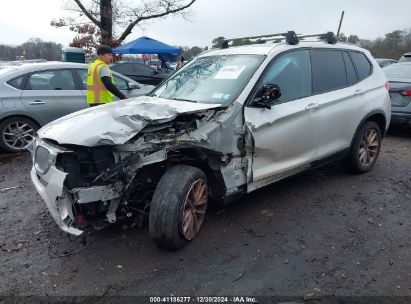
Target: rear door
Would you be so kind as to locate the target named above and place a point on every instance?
(51, 94)
(341, 98)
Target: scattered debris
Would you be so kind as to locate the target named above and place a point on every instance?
(240, 277)
(351, 230)
(9, 188)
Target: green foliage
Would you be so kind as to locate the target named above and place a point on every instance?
(35, 48)
(342, 38)
(393, 46)
(189, 53)
(354, 39)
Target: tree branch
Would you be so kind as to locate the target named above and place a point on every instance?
(87, 13)
(131, 25)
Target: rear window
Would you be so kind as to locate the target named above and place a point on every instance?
(123, 68)
(328, 70)
(16, 82)
(364, 67)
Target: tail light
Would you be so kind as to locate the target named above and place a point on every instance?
(405, 93)
(387, 85)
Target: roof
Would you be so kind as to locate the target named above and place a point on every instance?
(267, 48)
(30, 67)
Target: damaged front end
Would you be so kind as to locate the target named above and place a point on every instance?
(93, 180)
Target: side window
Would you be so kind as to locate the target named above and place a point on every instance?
(120, 83)
(16, 82)
(83, 77)
(124, 68)
(292, 73)
(328, 70)
(144, 69)
(349, 68)
(51, 80)
(362, 64)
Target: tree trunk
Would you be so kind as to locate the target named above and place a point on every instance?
(106, 21)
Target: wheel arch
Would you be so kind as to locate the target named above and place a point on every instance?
(376, 116)
(23, 116)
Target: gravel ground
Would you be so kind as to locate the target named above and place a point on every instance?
(320, 233)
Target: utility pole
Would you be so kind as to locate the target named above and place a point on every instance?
(339, 26)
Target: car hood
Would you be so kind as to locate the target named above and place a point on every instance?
(117, 122)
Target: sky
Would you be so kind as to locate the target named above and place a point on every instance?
(24, 19)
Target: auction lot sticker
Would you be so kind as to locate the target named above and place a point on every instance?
(229, 72)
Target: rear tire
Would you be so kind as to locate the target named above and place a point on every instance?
(365, 149)
(16, 133)
(178, 207)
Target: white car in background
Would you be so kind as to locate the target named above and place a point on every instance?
(32, 95)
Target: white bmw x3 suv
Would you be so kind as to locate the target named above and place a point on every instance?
(229, 122)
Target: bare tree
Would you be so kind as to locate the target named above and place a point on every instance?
(111, 21)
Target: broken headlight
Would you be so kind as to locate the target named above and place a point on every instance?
(43, 159)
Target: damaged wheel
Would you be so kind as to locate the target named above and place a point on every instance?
(178, 206)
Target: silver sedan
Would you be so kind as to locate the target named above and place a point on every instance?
(32, 95)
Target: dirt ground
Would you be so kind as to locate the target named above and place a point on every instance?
(324, 232)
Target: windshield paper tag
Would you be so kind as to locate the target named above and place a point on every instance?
(229, 72)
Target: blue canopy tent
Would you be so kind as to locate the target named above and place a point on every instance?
(146, 45)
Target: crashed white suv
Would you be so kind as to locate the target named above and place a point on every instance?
(229, 122)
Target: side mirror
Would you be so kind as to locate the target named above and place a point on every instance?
(132, 86)
(268, 94)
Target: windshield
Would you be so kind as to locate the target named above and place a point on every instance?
(398, 71)
(212, 79)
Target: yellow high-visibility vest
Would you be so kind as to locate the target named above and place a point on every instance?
(96, 91)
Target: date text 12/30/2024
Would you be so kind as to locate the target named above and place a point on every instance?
(174, 299)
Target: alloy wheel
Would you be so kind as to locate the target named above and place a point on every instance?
(369, 146)
(194, 209)
(18, 134)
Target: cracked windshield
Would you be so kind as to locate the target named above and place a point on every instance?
(213, 79)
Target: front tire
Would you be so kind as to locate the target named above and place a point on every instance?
(365, 149)
(178, 207)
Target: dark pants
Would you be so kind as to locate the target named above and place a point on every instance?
(95, 104)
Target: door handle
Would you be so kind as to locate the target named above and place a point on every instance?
(358, 92)
(312, 107)
(36, 102)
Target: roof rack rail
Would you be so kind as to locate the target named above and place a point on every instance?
(290, 37)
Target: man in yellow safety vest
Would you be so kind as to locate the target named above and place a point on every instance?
(100, 81)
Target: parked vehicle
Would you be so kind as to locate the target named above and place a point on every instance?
(229, 122)
(34, 94)
(405, 57)
(383, 62)
(399, 76)
(140, 72)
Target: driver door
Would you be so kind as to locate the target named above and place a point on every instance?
(285, 136)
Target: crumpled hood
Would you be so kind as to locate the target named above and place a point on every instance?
(117, 122)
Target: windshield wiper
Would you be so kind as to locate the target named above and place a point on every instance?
(182, 99)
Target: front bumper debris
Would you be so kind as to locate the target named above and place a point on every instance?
(50, 188)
